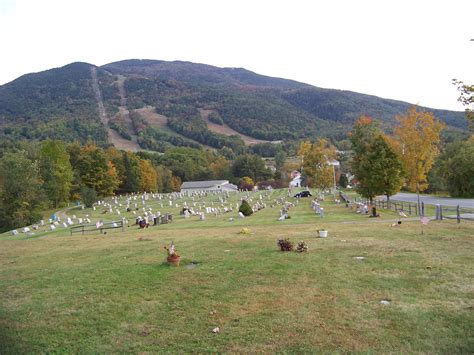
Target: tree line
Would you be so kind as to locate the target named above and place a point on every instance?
(50, 174)
(413, 158)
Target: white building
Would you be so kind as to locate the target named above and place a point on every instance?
(209, 185)
(296, 179)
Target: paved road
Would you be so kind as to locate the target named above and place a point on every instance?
(431, 200)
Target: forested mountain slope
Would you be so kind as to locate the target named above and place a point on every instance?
(69, 102)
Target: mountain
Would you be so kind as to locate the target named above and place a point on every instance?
(152, 104)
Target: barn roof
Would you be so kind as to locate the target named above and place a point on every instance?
(202, 184)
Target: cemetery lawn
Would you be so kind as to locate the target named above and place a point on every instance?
(115, 293)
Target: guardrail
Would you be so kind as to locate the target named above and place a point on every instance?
(84, 228)
(461, 213)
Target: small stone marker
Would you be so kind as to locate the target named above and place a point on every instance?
(14, 232)
(359, 257)
(216, 330)
(385, 302)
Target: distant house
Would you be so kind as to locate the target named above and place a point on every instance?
(209, 185)
(296, 179)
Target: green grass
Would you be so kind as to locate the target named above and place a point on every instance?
(114, 293)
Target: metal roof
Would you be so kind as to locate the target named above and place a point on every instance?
(203, 184)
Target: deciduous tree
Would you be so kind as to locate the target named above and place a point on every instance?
(455, 166)
(148, 176)
(385, 172)
(56, 171)
(467, 99)
(416, 142)
(316, 159)
(21, 196)
(95, 171)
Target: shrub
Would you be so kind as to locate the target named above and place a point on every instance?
(88, 195)
(245, 208)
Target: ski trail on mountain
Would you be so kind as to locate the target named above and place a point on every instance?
(123, 111)
(98, 96)
(112, 136)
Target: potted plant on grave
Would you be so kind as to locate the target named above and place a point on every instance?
(323, 233)
(173, 258)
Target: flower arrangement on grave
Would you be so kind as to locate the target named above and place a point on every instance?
(173, 258)
(285, 244)
(245, 231)
(302, 247)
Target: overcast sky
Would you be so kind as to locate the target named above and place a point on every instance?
(400, 49)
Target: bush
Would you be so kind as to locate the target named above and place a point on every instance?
(89, 196)
(245, 208)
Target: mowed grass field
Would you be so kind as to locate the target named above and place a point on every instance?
(115, 293)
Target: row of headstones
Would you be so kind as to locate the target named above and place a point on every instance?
(156, 219)
(53, 224)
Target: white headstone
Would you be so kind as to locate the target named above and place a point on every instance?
(52, 227)
(14, 232)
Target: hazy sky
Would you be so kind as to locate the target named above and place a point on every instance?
(400, 49)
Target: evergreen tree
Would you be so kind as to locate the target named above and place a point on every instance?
(343, 181)
(88, 196)
(132, 182)
(245, 208)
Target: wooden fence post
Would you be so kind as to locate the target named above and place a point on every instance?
(458, 214)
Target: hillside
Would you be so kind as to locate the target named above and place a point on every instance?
(200, 104)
